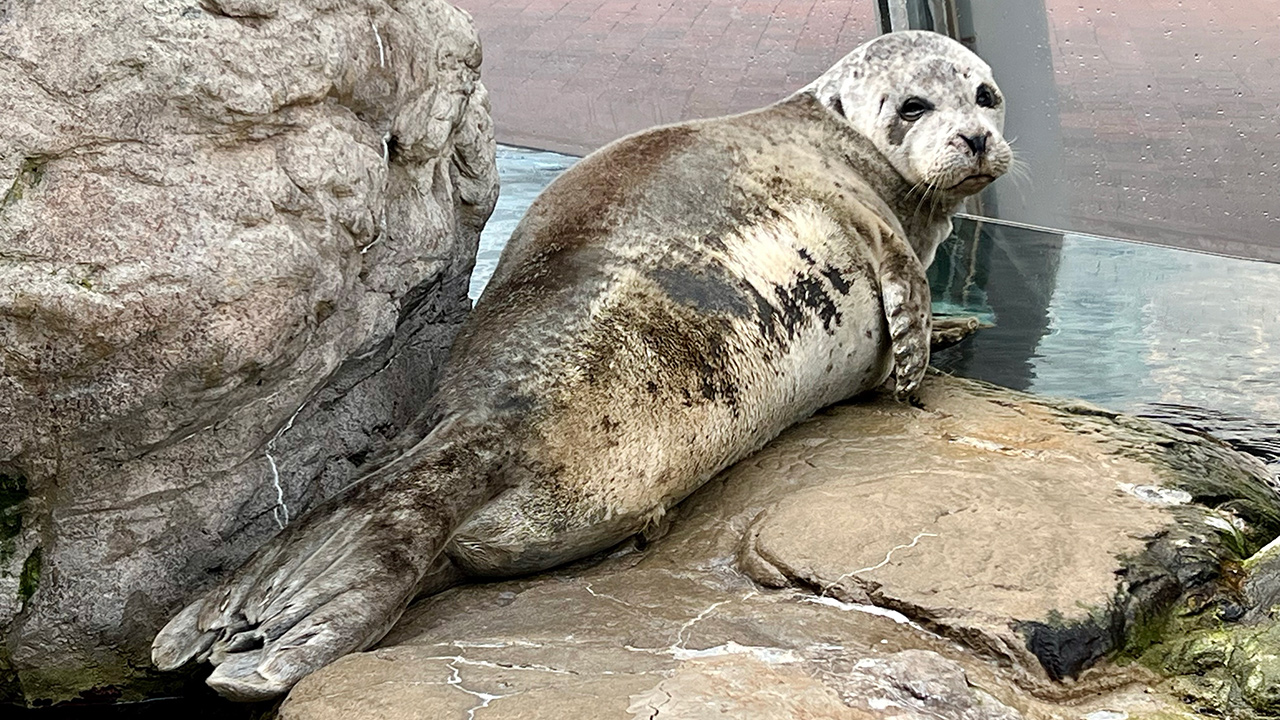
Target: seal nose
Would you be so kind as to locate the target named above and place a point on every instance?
(977, 143)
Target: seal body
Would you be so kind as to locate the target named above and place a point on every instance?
(665, 307)
(719, 283)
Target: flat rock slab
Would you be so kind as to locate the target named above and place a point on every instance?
(980, 554)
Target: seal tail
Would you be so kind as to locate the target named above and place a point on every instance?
(337, 580)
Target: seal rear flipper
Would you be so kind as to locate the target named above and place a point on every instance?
(341, 625)
(338, 579)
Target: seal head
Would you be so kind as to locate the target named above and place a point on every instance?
(930, 106)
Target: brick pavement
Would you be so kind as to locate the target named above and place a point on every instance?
(571, 75)
(1167, 108)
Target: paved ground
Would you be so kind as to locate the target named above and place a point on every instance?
(1152, 119)
(571, 75)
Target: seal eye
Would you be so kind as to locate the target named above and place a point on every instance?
(987, 97)
(914, 108)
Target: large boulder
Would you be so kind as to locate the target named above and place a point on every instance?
(979, 555)
(235, 237)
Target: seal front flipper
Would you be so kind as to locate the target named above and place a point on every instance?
(337, 580)
(904, 295)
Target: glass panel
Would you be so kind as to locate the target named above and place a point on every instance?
(1153, 121)
(572, 75)
(1120, 324)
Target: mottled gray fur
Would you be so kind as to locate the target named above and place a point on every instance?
(664, 308)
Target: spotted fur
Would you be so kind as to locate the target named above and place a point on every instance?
(665, 307)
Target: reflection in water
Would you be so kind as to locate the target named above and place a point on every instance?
(1188, 338)
(1148, 324)
(1110, 322)
(1005, 277)
(1136, 328)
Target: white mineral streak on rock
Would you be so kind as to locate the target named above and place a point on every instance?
(990, 446)
(887, 557)
(281, 511)
(831, 602)
(591, 591)
(504, 644)
(680, 638)
(1218, 522)
(678, 651)
(382, 53)
(455, 680)
(460, 660)
(768, 655)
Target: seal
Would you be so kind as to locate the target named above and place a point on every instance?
(664, 308)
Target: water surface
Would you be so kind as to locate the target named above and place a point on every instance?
(522, 174)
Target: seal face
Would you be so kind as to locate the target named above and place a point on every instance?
(665, 307)
(930, 105)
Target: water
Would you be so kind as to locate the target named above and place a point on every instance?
(522, 174)
(1189, 338)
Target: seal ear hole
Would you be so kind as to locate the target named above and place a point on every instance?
(837, 106)
(914, 108)
(986, 96)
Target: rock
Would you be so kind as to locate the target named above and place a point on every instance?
(235, 238)
(1224, 656)
(982, 554)
(1027, 570)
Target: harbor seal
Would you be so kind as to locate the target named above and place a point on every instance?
(665, 307)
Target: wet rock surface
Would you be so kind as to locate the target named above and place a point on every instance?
(234, 245)
(979, 554)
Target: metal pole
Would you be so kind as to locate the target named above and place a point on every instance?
(945, 18)
(892, 15)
